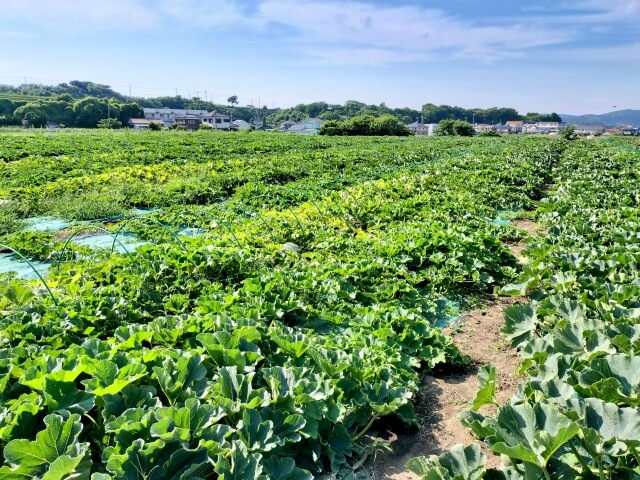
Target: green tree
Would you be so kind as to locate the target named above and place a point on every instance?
(89, 111)
(129, 111)
(59, 111)
(233, 100)
(109, 123)
(33, 113)
(451, 127)
(569, 132)
(390, 125)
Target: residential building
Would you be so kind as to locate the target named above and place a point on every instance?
(420, 128)
(286, 125)
(506, 129)
(535, 128)
(482, 127)
(216, 121)
(142, 123)
(168, 115)
(515, 126)
(629, 130)
(188, 121)
(310, 126)
(240, 125)
(583, 129)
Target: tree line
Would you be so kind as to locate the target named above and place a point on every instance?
(429, 113)
(84, 104)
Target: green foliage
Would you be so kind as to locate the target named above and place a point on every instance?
(490, 133)
(32, 113)
(109, 123)
(576, 415)
(458, 128)
(89, 206)
(267, 345)
(156, 126)
(386, 125)
(569, 132)
(10, 220)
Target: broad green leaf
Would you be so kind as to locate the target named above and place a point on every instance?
(158, 461)
(487, 382)
(19, 295)
(256, 433)
(521, 322)
(240, 465)
(614, 378)
(108, 379)
(65, 396)
(531, 434)
(177, 379)
(460, 463)
(55, 454)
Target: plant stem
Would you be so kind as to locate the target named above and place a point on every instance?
(364, 430)
(579, 457)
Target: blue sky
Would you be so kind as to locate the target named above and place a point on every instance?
(567, 56)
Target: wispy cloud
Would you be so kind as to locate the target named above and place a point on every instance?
(388, 34)
(345, 32)
(79, 15)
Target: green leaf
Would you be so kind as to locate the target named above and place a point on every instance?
(284, 468)
(179, 378)
(521, 322)
(460, 463)
(65, 396)
(487, 393)
(256, 434)
(55, 454)
(531, 434)
(19, 295)
(157, 461)
(108, 379)
(241, 465)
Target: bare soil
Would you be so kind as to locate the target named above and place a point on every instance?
(443, 397)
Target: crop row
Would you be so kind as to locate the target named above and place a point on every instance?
(577, 415)
(267, 346)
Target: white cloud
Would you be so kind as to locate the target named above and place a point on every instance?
(79, 15)
(331, 31)
(409, 32)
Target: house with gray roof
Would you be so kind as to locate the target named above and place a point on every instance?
(310, 126)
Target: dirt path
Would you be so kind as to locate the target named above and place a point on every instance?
(443, 398)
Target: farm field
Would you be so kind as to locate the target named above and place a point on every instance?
(284, 293)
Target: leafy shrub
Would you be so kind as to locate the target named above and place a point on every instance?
(109, 123)
(366, 125)
(490, 133)
(457, 128)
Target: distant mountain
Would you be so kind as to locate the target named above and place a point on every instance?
(611, 119)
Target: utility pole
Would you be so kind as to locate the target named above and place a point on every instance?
(176, 92)
(129, 91)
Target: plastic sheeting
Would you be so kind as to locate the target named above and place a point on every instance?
(192, 232)
(42, 224)
(11, 263)
(447, 312)
(125, 241)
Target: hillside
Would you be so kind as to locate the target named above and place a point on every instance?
(618, 117)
